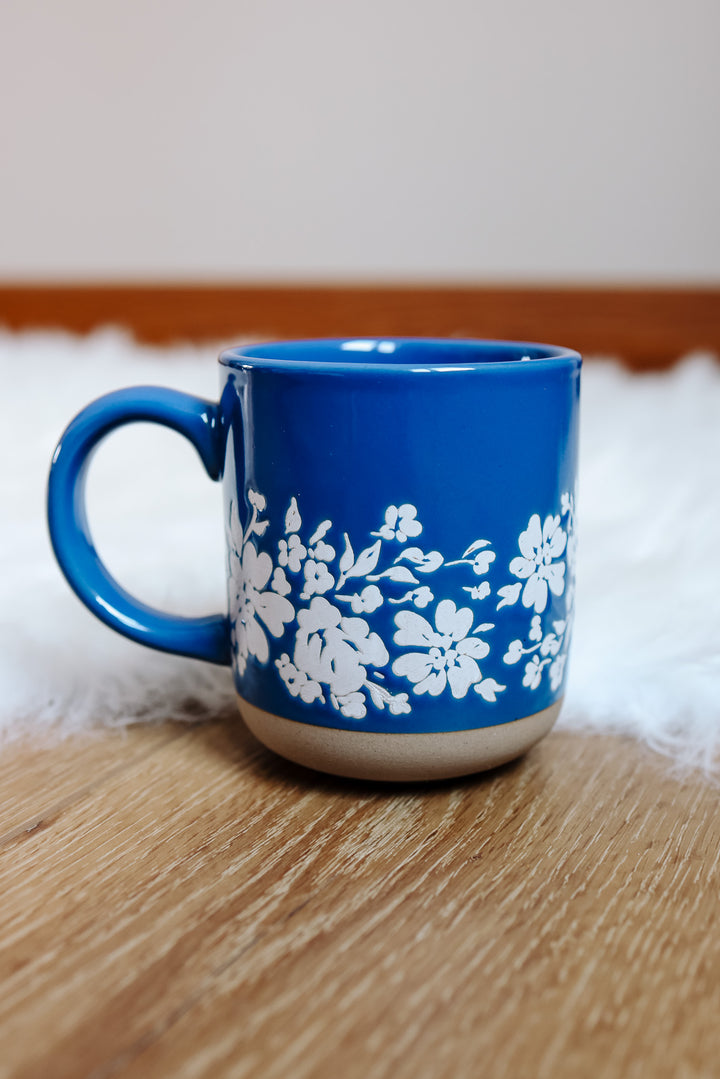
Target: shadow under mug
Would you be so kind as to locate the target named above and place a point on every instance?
(400, 523)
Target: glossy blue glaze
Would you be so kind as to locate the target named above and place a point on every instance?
(475, 437)
(400, 524)
(197, 420)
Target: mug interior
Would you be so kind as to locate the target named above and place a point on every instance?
(425, 353)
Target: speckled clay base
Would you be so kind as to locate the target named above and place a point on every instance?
(364, 755)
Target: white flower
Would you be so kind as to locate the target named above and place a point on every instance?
(478, 591)
(322, 552)
(280, 583)
(422, 596)
(514, 653)
(533, 673)
(536, 632)
(297, 682)
(318, 579)
(334, 650)
(291, 553)
(400, 523)
(488, 689)
(250, 606)
(293, 520)
(352, 705)
(449, 655)
(257, 500)
(538, 547)
(557, 669)
(366, 601)
(482, 561)
(550, 645)
(398, 704)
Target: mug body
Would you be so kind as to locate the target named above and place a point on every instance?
(400, 521)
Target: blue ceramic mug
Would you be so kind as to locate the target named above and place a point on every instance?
(400, 522)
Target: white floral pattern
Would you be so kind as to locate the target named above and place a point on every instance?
(547, 647)
(400, 523)
(449, 653)
(540, 547)
(253, 609)
(313, 593)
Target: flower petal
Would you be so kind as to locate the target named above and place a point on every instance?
(522, 567)
(308, 654)
(434, 684)
(535, 593)
(319, 615)
(369, 646)
(530, 541)
(453, 622)
(462, 675)
(510, 594)
(280, 583)
(352, 705)
(275, 611)
(549, 527)
(482, 562)
(411, 528)
(413, 629)
(555, 544)
(488, 689)
(473, 646)
(324, 552)
(514, 653)
(257, 568)
(256, 640)
(413, 665)
(556, 577)
(311, 691)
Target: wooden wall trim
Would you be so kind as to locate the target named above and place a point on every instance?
(647, 327)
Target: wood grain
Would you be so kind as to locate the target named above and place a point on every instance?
(201, 908)
(647, 327)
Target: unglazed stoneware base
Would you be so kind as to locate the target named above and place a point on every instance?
(397, 757)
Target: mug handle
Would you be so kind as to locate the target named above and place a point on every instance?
(199, 421)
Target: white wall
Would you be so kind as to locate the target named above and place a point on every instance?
(459, 139)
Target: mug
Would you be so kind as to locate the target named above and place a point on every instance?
(401, 543)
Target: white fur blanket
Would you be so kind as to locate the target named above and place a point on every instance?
(646, 652)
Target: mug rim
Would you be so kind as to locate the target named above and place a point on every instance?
(373, 355)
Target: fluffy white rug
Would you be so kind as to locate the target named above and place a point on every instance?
(646, 654)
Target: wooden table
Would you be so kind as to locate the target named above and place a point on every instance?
(175, 901)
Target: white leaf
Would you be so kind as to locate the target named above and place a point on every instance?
(348, 557)
(484, 627)
(395, 573)
(424, 563)
(366, 562)
(319, 532)
(510, 594)
(479, 591)
(376, 695)
(488, 689)
(514, 652)
(260, 527)
(403, 599)
(293, 520)
(476, 546)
